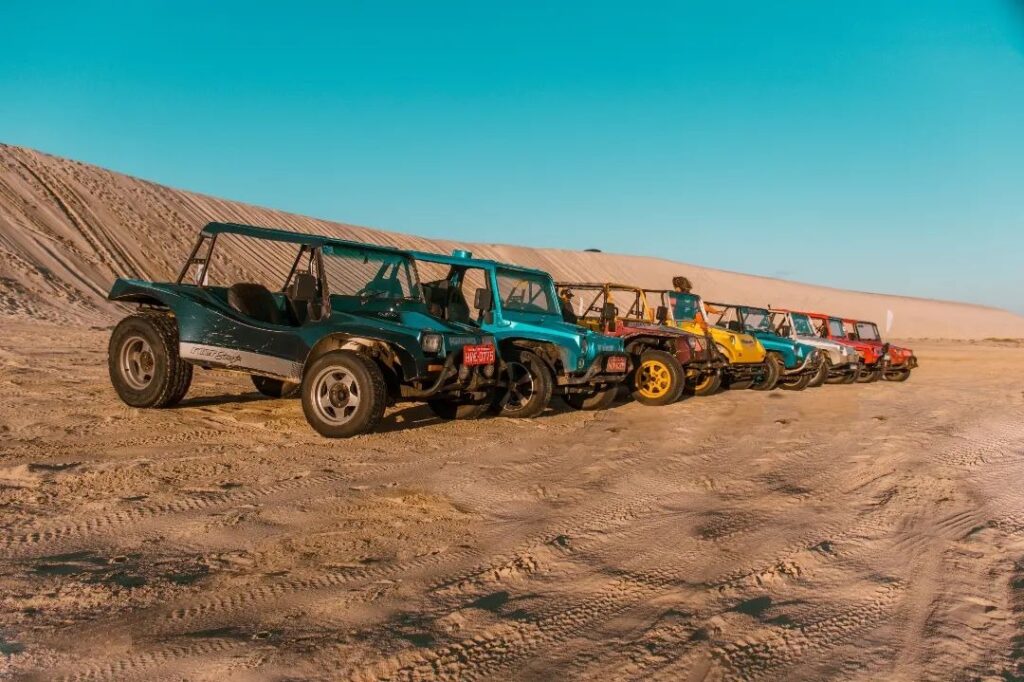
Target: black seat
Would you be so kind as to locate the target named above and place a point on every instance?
(301, 294)
(458, 309)
(446, 301)
(255, 301)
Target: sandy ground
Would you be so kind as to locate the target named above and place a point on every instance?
(850, 532)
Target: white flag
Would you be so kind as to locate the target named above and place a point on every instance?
(888, 321)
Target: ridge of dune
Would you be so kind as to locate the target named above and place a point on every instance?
(67, 229)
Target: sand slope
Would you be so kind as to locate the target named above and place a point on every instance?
(68, 228)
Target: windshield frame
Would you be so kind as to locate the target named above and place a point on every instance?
(396, 258)
(833, 322)
(874, 329)
(805, 319)
(547, 282)
(745, 311)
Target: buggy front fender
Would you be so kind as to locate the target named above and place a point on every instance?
(368, 339)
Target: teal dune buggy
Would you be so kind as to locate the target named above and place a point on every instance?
(796, 365)
(542, 354)
(346, 326)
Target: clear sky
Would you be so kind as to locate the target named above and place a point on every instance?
(871, 145)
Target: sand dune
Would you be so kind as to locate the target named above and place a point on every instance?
(67, 229)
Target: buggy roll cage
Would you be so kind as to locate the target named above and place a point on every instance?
(638, 310)
(308, 243)
(741, 316)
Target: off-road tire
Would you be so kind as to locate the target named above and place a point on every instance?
(897, 375)
(598, 400)
(541, 388)
(275, 388)
(663, 373)
(708, 385)
(771, 376)
(869, 376)
(822, 376)
(802, 382)
(319, 401)
(461, 408)
(160, 380)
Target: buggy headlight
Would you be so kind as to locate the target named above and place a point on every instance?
(431, 343)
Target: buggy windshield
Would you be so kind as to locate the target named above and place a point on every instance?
(527, 292)
(757, 318)
(370, 274)
(802, 325)
(867, 331)
(835, 328)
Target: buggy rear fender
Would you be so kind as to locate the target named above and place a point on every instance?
(135, 291)
(147, 293)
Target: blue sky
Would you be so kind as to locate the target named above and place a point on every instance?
(875, 145)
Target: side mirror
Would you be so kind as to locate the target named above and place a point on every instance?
(482, 299)
(661, 314)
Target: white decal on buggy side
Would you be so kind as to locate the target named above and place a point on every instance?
(241, 359)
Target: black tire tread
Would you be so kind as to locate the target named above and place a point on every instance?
(546, 388)
(711, 388)
(377, 390)
(774, 371)
(446, 408)
(164, 327)
(598, 400)
(275, 388)
(898, 376)
(822, 376)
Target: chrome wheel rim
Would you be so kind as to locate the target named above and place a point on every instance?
(336, 395)
(520, 387)
(138, 364)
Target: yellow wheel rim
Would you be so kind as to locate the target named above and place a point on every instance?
(653, 379)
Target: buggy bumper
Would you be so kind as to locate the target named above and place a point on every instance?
(810, 365)
(707, 363)
(454, 376)
(744, 371)
(909, 363)
(597, 373)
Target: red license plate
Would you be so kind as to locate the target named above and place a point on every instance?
(616, 363)
(478, 355)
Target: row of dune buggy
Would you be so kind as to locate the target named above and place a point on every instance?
(356, 327)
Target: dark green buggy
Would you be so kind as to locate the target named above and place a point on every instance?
(348, 329)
